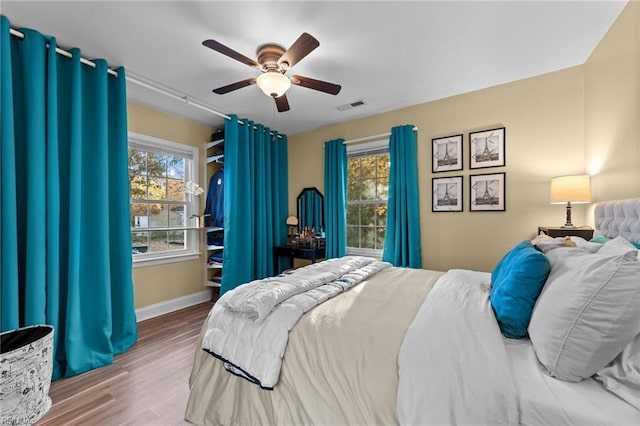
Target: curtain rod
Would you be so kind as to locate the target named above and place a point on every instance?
(64, 53)
(381, 135)
(134, 80)
(183, 98)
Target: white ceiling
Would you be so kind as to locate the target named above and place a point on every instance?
(389, 54)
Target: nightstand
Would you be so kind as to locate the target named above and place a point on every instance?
(579, 231)
(310, 253)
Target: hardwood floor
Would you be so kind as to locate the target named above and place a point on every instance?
(147, 385)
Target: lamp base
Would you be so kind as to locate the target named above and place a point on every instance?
(568, 223)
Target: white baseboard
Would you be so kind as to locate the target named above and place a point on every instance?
(157, 309)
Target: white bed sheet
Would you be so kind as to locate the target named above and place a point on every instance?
(548, 401)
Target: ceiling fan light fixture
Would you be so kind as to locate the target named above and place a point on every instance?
(273, 84)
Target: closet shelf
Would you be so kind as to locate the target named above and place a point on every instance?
(219, 143)
(209, 283)
(218, 158)
(214, 154)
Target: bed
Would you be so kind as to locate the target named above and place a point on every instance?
(424, 347)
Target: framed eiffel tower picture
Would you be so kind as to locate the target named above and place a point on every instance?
(487, 192)
(447, 194)
(486, 148)
(446, 154)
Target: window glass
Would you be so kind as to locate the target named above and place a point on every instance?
(160, 207)
(367, 192)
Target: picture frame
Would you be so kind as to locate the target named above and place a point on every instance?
(446, 154)
(487, 148)
(447, 194)
(487, 192)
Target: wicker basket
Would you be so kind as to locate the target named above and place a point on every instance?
(26, 363)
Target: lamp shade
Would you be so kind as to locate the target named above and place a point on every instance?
(273, 84)
(575, 189)
(292, 221)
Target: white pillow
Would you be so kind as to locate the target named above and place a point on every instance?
(617, 246)
(589, 246)
(587, 312)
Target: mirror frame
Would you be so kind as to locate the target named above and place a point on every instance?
(299, 201)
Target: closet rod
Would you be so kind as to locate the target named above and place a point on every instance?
(381, 135)
(162, 91)
(182, 98)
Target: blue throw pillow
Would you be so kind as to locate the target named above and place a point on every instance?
(599, 239)
(602, 239)
(516, 283)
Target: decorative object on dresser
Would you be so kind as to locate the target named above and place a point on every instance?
(446, 154)
(487, 192)
(447, 194)
(487, 148)
(554, 231)
(570, 189)
(292, 223)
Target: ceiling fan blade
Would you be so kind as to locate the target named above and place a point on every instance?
(300, 48)
(219, 47)
(282, 103)
(235, 86)
(311, 83)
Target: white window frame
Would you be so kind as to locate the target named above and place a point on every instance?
(192, 163)
(362, 149)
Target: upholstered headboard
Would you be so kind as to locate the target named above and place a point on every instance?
(613, 218)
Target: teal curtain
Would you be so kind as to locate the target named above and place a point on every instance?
(335, 197)
(402, 240)
(255, 201)
(66, 245)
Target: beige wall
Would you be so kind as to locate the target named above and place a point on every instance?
(583, 119)
(154, 284)
(544, 124)
(612, 110)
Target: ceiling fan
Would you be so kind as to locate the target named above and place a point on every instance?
(274, 61)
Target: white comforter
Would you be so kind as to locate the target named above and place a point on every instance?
(249, 327)
(453, 356)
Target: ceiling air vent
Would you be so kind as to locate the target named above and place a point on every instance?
(351, 105)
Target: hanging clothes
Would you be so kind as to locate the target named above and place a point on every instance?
(214, 206)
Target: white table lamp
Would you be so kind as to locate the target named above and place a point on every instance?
(570, 189)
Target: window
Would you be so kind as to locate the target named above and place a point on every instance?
(160, 210)
(367, 190)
